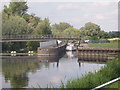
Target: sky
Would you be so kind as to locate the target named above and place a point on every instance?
(77, 12)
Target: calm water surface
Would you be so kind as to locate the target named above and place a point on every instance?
(32, 71)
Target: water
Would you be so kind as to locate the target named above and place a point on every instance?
(32, 71)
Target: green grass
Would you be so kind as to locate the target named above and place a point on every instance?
(109, 72)
(104, 45)
(114, 85)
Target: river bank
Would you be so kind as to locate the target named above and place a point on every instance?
(109, 72)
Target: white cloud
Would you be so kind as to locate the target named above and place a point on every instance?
(102, 4)
(99, 17)
(68, 7)
(115, 12)
(111, 14)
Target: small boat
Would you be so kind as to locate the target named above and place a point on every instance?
(71, 47)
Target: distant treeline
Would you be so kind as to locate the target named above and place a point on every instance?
(16, 21)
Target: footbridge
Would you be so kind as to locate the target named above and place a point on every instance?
(22, 38)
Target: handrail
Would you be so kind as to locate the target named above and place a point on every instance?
(36, 36)
(105, 84)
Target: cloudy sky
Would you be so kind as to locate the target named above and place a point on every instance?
(77, 13)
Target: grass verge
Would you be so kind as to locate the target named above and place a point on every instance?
(105, 45)
(114, 85)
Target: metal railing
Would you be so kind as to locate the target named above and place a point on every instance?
(106, 84)
(38, 36)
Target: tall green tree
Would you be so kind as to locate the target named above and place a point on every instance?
(103, 34)
(43, 27)
(71, 32)
(57, 29)
(33, 20)
(90, 29)
(26, 16)
(19, 7)
(14, 25)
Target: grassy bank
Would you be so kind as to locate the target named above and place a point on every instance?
(105, 45)
(109, 72)
(114, 85)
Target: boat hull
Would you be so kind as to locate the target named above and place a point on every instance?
(51, 50)
(71, 48)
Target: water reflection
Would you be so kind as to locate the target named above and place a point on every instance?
(71, 54)
(92, 58)
(15, 70)
(29, 71)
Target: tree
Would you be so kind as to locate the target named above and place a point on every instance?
(103, 34)
(90, 29)
(43, 27)
(6, 12)
(71, 32)
(32, 20)
(14, 25)
(18, 8)
(32, 45)
(57, 29)
(15, 21)
(115, 34)
(26, 16)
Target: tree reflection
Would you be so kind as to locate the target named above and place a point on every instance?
(47, 65)
(16, 70)
(19, 81)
